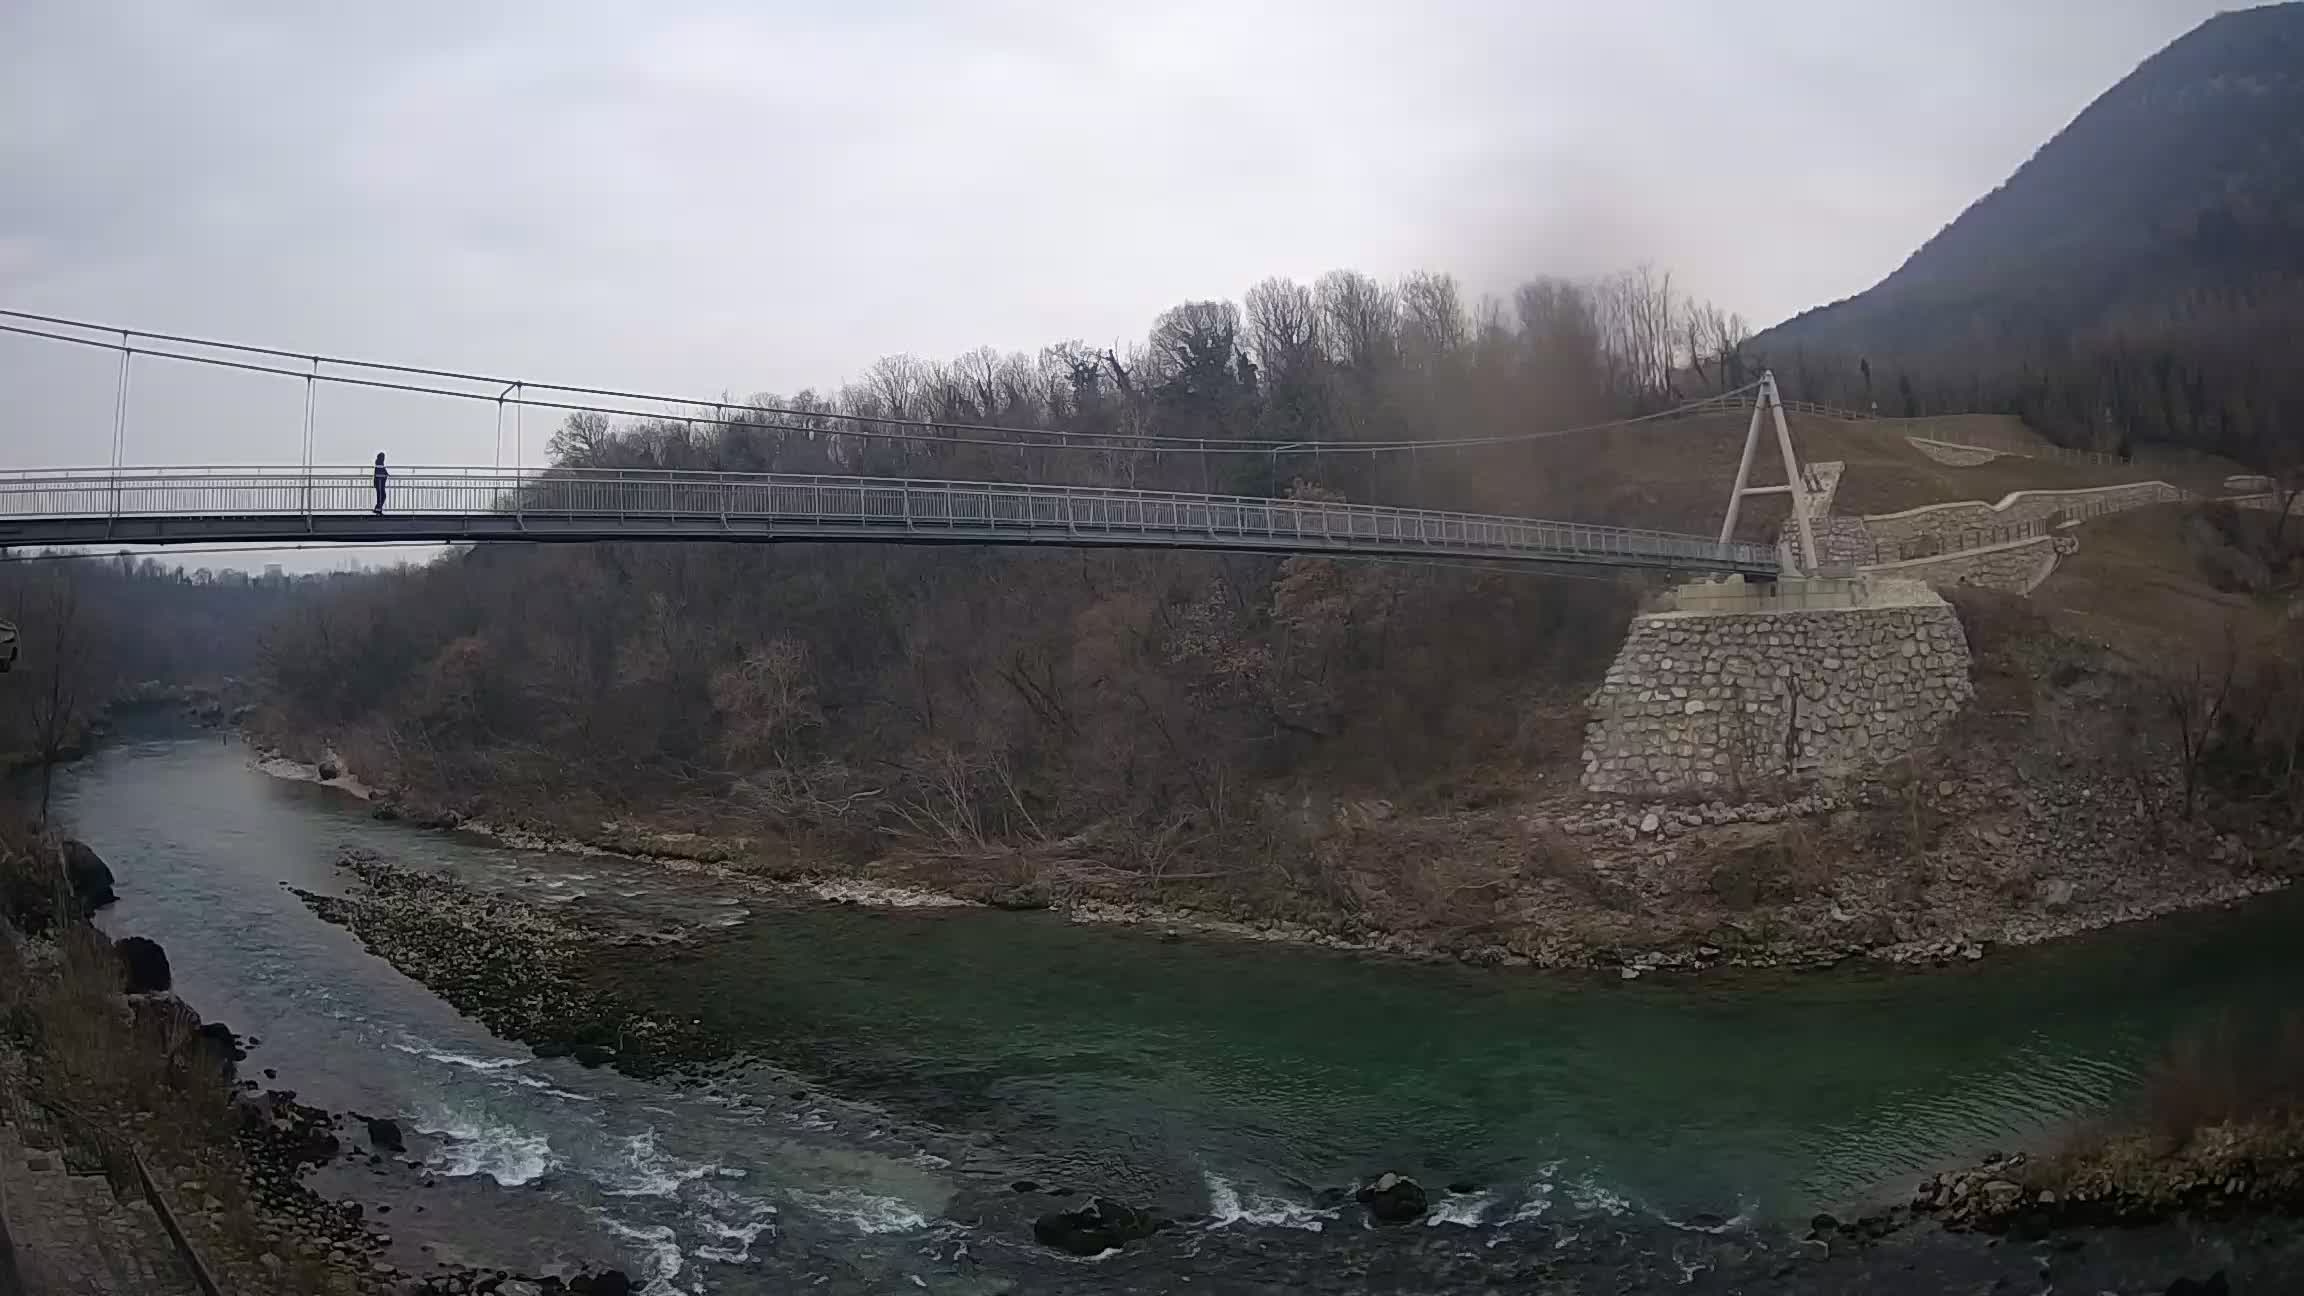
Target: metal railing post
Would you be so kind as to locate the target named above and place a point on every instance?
(119, 429)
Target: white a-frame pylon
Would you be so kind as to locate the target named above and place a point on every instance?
(1795, 560)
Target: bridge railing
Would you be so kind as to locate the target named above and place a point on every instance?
(754, 503)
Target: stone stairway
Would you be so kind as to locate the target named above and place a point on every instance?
(72, 1236)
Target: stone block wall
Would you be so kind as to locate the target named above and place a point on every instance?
(1947, 524)
(1955, 456)
(1706, 701)
(2017, 567)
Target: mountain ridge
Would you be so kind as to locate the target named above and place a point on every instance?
(2164, 225)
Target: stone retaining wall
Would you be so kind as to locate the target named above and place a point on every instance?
(1709, 701)
(2017, 567)
(1955, 456)
(1946, 524)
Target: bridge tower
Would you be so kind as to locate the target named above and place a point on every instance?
(1796, 560)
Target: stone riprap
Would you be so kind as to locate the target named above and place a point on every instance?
(1948, 527)
(2017, 567)
(1711, 701)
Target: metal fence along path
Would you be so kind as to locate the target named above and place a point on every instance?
(181, 505)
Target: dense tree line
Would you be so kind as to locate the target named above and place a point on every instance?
(94, 632)
(958, 696)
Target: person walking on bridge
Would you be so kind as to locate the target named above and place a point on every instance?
(381, 474)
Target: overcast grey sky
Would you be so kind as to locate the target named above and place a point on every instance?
(738, 197)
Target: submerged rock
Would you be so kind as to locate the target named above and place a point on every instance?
(89, 876)
(143, 965)
(1100, 1226)
(1393, 1199)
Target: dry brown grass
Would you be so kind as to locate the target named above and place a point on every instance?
(1676, 474)
(2224, 1106)
(2230, 1071)
(2137, 585)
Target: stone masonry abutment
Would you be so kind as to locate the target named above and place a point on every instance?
(1734, 684)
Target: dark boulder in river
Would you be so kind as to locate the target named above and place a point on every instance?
(143, 965)
(384, 1135)
(91, 879)
(1100, 1226)
(1393, 1199)
(223, 1047)
(329, 769)
(607, 1282)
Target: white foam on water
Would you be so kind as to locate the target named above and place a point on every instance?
(1594, 1198)
(543, 1086)
(864, 1212)
(645, 1170)
(1538, 1202)
(927, 1160)
(1228, 1205)
(659, 1244)
(472, 1145)
(465, 1060)
(733, 1221)
(1465, 1210)
(735, 1240)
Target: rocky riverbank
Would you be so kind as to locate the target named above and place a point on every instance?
(101, 1060)
(523, 969)
(2132, 1177)
(1923, 868)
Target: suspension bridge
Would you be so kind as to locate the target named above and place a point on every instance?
(125, 504)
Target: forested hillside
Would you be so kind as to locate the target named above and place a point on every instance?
(958, 696)
(2140, 279)
(99, 629)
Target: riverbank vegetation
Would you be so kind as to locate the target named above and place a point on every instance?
(102, 1078)
(99, 636)
(2216, 1127)
(1377, 754)
(1039, 721)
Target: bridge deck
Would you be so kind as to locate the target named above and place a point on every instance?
(289, 505)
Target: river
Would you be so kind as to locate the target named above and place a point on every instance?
(908, 1066)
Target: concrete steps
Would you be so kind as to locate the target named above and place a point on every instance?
(72, 1236)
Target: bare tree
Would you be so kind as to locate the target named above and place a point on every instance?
(1560, 329)
(1360, 319)
(1639, 331)
(2193, 692)
(1284, 329)
(582, 440)
(62, 670)
(1433, 322)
